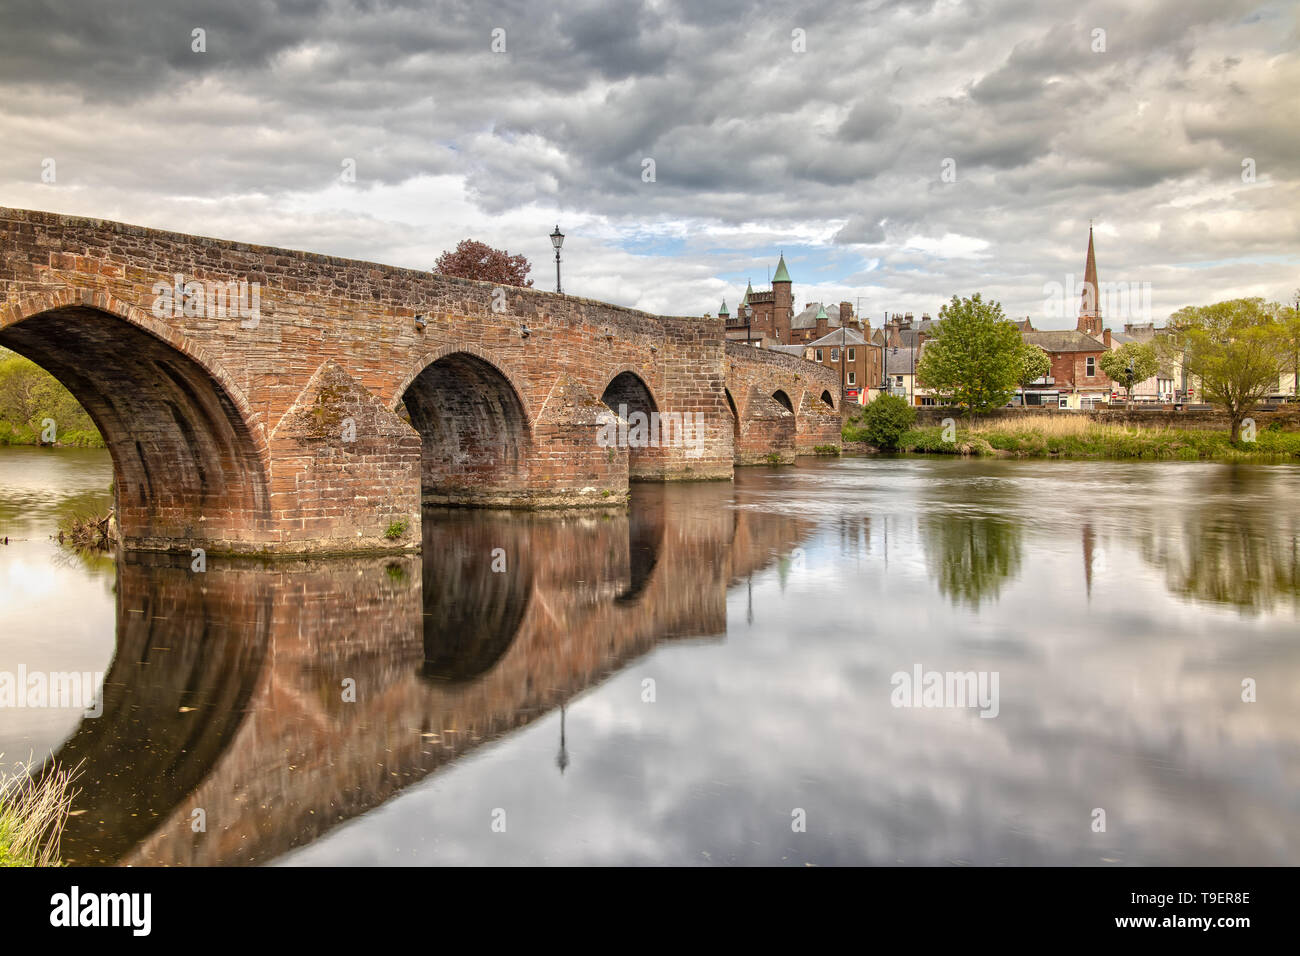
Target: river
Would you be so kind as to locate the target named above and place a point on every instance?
(711, 678)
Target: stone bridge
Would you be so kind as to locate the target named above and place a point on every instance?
(225, 689)
(264, 400)
(781, 405)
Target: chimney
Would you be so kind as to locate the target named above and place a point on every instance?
(846, 313)
(1105, 337)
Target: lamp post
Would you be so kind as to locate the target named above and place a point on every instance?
(911, 385)
(557, 240)
(844, 388)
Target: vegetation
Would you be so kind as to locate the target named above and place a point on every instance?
(1034, 364)
(87, 532)
(1236, 350)
(1129, 364)
(477, 260)
(1078, 437)
(32, 816)
(976, 356)
(30, 397)
(882, 423)
(826, 450)
(395, 530)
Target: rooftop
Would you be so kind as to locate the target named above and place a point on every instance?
(1065, 340)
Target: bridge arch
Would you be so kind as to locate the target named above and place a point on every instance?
(735, 415)
(780, 396)
(189, 466)
(826, 399)
(627, 391)
(475, 433)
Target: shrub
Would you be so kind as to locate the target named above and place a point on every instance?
(395, 530)
(886, 420)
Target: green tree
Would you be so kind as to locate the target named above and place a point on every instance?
(1034, 364)
(1129, 364)
(885, 420)
(20, 388)
(975, 356)
(1234, 349)
(29, 395)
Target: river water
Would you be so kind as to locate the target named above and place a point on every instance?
(712, 678)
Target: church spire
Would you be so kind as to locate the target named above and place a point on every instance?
(1089, 295)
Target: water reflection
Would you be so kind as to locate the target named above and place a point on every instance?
(971, 557)
(231, 692)
(1235, 543)
(324, 707)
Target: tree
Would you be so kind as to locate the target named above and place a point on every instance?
(1235, 349)
(1129, 364)
(1034, 364)
(886, 419)
(477, 260)
(29, 395)
(975, 356)
(1291, 336)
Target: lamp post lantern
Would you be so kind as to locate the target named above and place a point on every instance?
(557, 240)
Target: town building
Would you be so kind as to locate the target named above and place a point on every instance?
(770, 317)
(849, 353)
(1075, 379)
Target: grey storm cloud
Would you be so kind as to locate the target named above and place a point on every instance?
(844, 141)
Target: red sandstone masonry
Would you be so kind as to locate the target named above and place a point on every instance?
(196, 409)
(763, 426)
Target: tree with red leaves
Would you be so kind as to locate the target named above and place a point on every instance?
(477, 260)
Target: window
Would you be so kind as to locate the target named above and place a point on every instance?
(819, 355)
(898, 380)
(835, 355)
(851, 355)
(853, 380)
(1091, 364)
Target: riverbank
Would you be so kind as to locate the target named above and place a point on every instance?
(11, 434)
(1081, 438)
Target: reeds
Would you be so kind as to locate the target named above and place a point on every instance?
(33, 812)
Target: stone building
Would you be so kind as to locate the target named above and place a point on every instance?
(769, 317)
(1075, 379)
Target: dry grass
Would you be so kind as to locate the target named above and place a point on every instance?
(1061, 426)
(33, 813)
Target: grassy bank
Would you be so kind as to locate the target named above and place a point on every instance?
(32, 815)
(11, 434)
(1081, 438)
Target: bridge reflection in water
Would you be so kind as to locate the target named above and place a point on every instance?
(227, 694)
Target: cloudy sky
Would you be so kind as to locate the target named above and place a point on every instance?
(822, 129)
